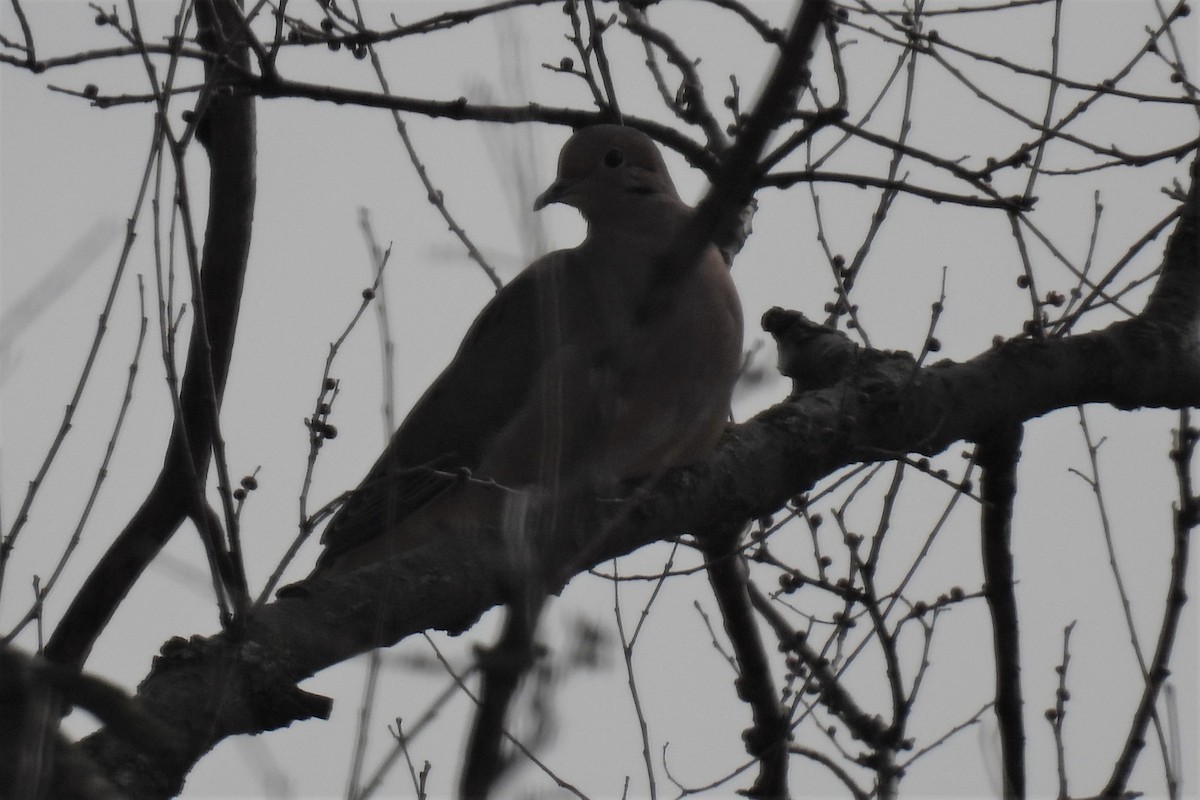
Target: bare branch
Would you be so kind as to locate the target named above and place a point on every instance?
(998, 456)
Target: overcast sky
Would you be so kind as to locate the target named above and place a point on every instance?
(68, 181)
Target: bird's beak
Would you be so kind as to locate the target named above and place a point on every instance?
(553, 194)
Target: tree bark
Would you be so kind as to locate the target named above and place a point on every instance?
(883, 406)
(226, 128)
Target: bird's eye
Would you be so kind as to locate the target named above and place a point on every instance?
(614, 158)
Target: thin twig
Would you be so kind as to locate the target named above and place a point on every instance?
(1186, 517)
(460, 681)
(10, 538)
(435, 196)
(857, 792)
(690, 103)
(1040, 151)
(319, 431)
(27, 33)
(375, 782)
(76, 536)
(596, 47)
(938, 742)
(627, 644)
(1057, 714)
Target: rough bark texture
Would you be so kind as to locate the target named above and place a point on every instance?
(883, 406)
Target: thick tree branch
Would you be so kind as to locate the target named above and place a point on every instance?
(998, 457)
(502, 668)
(36, 760)
(885, 406)
(734, 183)
(767, 739)
(229, 138)
(874, 406)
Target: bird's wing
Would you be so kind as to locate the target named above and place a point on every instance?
(450, 427)
(575, 375)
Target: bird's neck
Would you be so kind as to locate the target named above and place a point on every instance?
(650, 217)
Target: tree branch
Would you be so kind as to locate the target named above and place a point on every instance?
(1186, 519)
(885, 406)
(876, 407)
(229, 139)
(998, 456)
(767, 739)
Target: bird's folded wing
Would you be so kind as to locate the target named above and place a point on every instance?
(449, 429)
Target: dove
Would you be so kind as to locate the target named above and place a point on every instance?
(585, 371)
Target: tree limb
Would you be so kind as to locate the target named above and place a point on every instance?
(880, 405)
(229, 139)
(767, 739)
(998, 457)
(886, 406)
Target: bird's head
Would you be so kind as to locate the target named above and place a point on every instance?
(606, 171)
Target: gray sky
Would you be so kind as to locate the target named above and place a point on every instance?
(69, 172)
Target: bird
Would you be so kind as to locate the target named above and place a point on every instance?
(586, 371)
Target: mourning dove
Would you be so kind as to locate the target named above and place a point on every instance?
(582, 372)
